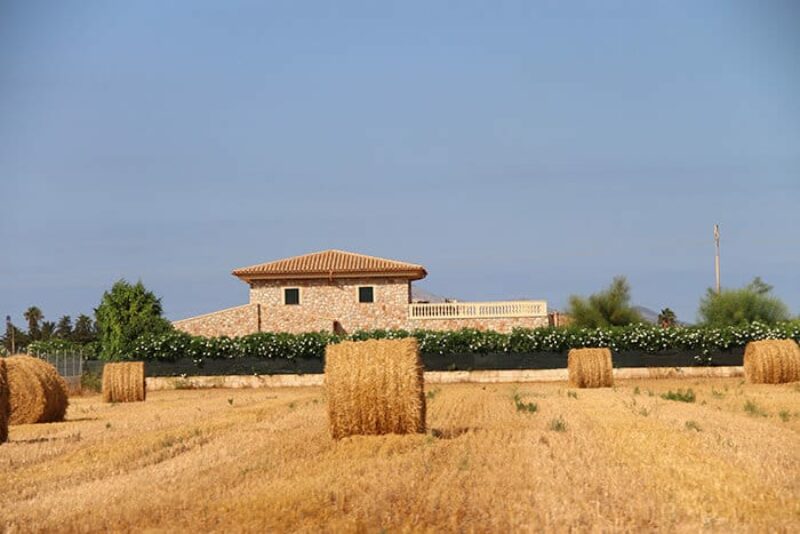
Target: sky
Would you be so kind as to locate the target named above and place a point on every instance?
(516, 149)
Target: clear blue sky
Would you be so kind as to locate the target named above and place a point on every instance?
(516, 149)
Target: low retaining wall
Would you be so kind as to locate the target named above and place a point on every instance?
(437, 377)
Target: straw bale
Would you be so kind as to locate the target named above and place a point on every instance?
(124, 382)
(590, 368)
(37, 393)
(375, 387)
(772, 361)
(5, 405)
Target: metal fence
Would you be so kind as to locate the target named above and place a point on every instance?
(69, 364)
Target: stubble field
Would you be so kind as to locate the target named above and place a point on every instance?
(262, 460)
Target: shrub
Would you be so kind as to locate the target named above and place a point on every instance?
(679, 395)
(754, 409)
(739, 307)
(610, 307)
(522, 406)
(558, 424)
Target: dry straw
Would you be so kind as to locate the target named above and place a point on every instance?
(37, 393)
(5, 405)
(772, 361)
(375, 387)
(124, 382)
(590, 368)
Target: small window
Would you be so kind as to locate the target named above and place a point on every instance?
(366, 294)
(291, 295)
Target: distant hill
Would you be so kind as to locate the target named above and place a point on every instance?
(652, 316)
(420, 295)
(647, 314)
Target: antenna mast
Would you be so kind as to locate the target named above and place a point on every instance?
(716, 257)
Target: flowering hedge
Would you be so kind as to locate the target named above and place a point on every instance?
(62, 346)
(643, 338)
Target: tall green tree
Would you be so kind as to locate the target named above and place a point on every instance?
(85, 330)
(64, 327)
(738, 307)
(125, 313)
(34, 315)
(610, 307)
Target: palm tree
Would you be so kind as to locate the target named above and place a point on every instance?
(667, 319)
(48, 329)
(33, 315)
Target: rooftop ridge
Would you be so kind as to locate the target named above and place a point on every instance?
(331, 263)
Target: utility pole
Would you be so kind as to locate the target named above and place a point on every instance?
(716, 257)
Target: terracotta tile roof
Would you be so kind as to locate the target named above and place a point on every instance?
(331, 264)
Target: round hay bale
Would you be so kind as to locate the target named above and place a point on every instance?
(124, 382)
(772, 361)
(37, 392)
(590, 368)
(375, 387)
(5, 405)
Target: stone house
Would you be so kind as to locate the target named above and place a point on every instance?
(340, 291)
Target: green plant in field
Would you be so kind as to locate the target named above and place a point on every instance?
(692, 425)
(784, 415)
(430, 395)
(680, 395)
(754, 409)
(522, 406)
(558, 424)
(636, 390)
(717, 394)
(572, 394)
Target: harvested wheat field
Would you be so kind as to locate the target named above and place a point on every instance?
(495, 458)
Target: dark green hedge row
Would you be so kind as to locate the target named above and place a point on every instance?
(644, 338)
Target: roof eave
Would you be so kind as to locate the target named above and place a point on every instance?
(417, 274)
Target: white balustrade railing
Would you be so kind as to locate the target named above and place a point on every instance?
(478, 310)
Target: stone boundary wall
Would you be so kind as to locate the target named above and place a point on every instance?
(438, 377)
(503, 325)
(233, 322)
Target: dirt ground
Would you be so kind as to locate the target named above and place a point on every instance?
(499, 458)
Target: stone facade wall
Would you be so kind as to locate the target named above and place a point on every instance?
(498, 324)
(238, 321)
(324, 302)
